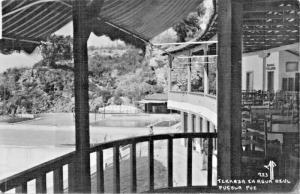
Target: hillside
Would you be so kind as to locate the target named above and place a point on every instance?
(116, 76)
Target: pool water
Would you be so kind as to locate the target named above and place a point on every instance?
(165, 123)
(122, 123)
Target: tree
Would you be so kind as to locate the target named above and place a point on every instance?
(190, 26)
(57, 48)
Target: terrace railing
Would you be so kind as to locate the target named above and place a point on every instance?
(38, 173)
(195, 93)
(203, 104)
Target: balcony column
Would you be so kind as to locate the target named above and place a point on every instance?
(190, 123)
(229, 88)
(197, 130)
(182, 121)
(197, 124)
(170, 73)
(264, 57)
(82, 178)
(204, 125)
(206, 70)
(189, 69)
(211, 127)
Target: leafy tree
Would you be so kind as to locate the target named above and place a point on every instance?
(190, 26)
(57, 48)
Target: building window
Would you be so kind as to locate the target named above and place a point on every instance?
(292, 66)
(284, 84)
(291, 84)
(288, 84)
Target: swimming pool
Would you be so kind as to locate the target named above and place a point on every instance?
(122, 123)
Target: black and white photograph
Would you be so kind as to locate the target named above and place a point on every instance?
(149, 96)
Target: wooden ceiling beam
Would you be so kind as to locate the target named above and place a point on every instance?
(295, 22)
(261, 7)
(279, 43)
(274, 39)
(271, 27)
(293, 52)
(267, 20)
(271, 35)
(275, 14)
(267, 1)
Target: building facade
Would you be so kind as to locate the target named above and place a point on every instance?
(274, 70)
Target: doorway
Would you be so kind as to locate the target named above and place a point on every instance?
(270, 81)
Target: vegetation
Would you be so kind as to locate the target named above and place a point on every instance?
(190, 27)
(116, 76)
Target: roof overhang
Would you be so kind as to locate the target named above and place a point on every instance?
(26, 23)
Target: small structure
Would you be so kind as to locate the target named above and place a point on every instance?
(155, 103)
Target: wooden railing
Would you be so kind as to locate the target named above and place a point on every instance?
(38, 173)
(20, 180)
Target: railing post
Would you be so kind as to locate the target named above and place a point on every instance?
(58, 180)
(71, 177)
(40, 184)
(151, 164)
(116, 170)
(170, 162)
(133, 168)
(22, 188)
(209, 162)
(189, 162)
(100, 172)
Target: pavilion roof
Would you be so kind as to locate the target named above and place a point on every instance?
(266, 24)
(28, 22)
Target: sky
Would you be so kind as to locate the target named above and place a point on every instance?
(25, 60)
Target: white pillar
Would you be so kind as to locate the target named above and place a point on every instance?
(208, 123)
(205, 72)
(170, 73)
(182, 121)
(264, 56)
(204, 125)
(170, 80)
(211, 127)
(197, 124)
(189, 84)
(190, 123)
(182, 141)
(197, 129)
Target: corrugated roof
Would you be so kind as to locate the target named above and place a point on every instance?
(27, 22)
